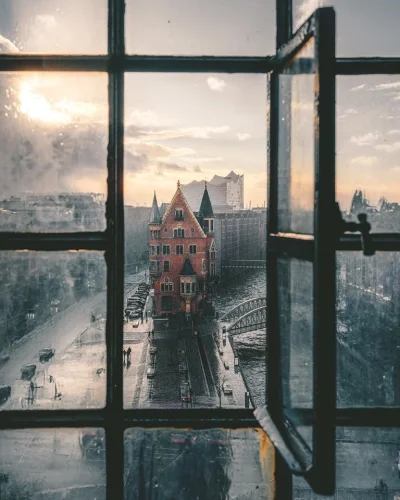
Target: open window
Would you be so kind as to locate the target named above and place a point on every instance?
(301, 251)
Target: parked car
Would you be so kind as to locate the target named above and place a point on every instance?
(151, 372)
(153, 349)
(91, 442)
(186, 393)
(5, 393)
(183, 368)
(28, 372)
(226, 388)
(46, 354)
(134, 315)
(135, 323)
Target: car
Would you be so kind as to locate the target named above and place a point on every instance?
(226, 388)
(134, 315)
(226, 364)
(28, 372)
(183, 368)
(186, 392)
(5, 393)
(153, 349)
(151, 372)
(46, 354)
(135, 323)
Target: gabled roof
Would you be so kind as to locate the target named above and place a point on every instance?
(187, 269)
(205, 209)
(179, 200)
(155, 217)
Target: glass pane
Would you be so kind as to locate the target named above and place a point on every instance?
(368, 350)
(54, 150)
(366, 466)
(52, 327)
(52, 464)
(46, 26)
(191, 27)
(207, 252)
(357, 30)
(368, 141)
(205, 464)
(296, 145)
(295, 296)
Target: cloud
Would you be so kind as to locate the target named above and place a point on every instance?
(6, 46)
(197, 169)
(216, 84)
(46, 20)
(365, 140)
(169, 167)
(142, 118)
(204, 160)
(386, 86)
(394, 132)
(243, 137)
(358, 87)
(368, 161)
(388, 148)
(147, 134)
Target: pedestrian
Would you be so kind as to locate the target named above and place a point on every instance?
(141, 316)
(32, 388)
(124, 353)
(128, 354)
(148, 336)
(146, 316)
(152, 332)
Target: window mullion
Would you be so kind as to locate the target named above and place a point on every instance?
(115, 257)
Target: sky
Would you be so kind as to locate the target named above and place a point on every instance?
(189, 127)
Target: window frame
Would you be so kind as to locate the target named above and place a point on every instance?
(191, 247)
(113, 417)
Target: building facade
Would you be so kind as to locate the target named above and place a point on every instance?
(226, 193)
(182, 255)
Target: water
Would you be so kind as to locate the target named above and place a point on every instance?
(250, 346)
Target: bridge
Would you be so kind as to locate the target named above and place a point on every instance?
(246, 317)
(245, 264)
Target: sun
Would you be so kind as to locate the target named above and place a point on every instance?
(37, 107)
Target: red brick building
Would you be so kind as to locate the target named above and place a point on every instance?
(182, 255)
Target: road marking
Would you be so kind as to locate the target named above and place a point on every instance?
(27, 447)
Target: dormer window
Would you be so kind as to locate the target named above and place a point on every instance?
(178, 214)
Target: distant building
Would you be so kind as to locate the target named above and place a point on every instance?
(182, 255)
(226, 193)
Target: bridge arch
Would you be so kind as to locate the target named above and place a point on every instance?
(255, 319)
(242, 309)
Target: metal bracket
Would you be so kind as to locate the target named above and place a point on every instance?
(363, 226)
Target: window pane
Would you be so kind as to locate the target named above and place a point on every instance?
(47, 26)
(52, 463)
(366, 466)
(53, 147)
(296, 144)
(368, 350)
(211, 138)
(52, 327)
(358, 34)
(205, 464)
(368, 141)
(295, 281)
(191, 27)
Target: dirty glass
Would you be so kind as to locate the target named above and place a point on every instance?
(368, 142)
(52, 330)
(295, 303)
(188, 182)
(368, 350)
(54, 463)
(366, 466)
(53, 147)
(194, 28)
(51, 27)
(215, 463)
(296, 144)
(358, 32)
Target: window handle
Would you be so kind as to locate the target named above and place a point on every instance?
(363, 226)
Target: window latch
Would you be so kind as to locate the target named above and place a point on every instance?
(363, 226)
